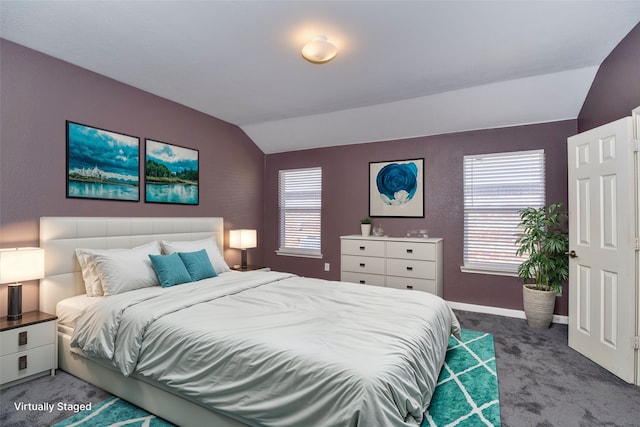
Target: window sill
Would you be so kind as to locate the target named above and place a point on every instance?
(299, 254)
(487, 270)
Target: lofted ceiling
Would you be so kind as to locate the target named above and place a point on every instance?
(404, 68)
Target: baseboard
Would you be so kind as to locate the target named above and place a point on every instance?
(519, 314)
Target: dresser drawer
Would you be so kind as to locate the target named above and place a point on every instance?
(412, 284)
(362, 278)
(32, 361)
(411, 268)
(363, 264)
(363, 247)
(35, 336)
(411, 250)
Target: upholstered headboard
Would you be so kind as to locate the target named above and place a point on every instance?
(60, 236)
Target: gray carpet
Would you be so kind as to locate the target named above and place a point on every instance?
(542, 383)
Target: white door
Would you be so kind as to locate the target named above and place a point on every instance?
(602, 271)
(636, 135)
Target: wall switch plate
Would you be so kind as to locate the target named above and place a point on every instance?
(327, 266)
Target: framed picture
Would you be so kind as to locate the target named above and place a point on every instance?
(396, 188)
(102, 164)
(171, 174)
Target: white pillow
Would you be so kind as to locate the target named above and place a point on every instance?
(86, 258)
(89, 274)
(125, 270)
(209, 244)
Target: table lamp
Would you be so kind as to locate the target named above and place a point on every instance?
(243, 239)
(17, 265)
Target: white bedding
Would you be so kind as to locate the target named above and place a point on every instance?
(69, 309)
(274, 349)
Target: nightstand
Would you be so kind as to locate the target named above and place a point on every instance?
(251, 268)
(27, 347)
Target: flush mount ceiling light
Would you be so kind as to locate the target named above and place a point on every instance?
(319, 50)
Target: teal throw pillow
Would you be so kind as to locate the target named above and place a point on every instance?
(170, 270)
(198, 264)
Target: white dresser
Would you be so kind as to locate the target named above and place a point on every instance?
(396, 262)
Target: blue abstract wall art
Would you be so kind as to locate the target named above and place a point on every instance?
(396, 188)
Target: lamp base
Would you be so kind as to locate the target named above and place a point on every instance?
(14, 309)
(243, 259)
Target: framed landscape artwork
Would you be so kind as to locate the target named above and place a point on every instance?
(396, 188)
(171, 174)
(102, 164)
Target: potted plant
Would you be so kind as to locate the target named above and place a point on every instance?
(544, 241)
(365, 226)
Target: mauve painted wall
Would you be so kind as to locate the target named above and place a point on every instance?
(615, 91)
(38, 93)
(345, 200)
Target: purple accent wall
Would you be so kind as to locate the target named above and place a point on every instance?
(345, 195)
(38, 93)
(615, 91)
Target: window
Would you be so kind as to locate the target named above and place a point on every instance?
(496, 186)
(300, 203)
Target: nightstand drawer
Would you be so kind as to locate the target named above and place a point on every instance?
(362, 278)
(27, 337)
(412, 284)
(363, 247)
(411, 268)
(31, 361)
(362, 264)
(411, 250)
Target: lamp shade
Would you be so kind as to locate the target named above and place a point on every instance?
(243, 239)
(20, 264)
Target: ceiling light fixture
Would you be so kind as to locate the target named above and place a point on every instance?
(319, 50)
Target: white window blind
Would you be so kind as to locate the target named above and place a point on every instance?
(496, 187)
(300, 203)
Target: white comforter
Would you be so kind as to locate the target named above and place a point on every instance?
(274, 349)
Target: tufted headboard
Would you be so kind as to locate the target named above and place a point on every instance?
(60, 236)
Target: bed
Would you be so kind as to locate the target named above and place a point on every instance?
(251, 348)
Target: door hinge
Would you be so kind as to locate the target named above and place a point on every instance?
(636, 145)
(636, 343)
(637, 244)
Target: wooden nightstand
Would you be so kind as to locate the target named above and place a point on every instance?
(27, 347)
(251, 268)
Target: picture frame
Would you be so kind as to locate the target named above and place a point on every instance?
(171, 173)
(396, 188)
(101, 164)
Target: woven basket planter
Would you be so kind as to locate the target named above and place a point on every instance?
(538, 306)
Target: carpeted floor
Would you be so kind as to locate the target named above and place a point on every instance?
(542, 383)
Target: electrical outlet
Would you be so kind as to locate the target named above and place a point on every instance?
(327, 266)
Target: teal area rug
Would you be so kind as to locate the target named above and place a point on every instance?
(467, 390)
(113, 412)
(466, 394)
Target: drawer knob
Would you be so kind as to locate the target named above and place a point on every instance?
(362, 248)
(409, 251)
(22, 363)
(409, 287)
(362, 282)
(362, 264)
(409, 268)
(22, 338)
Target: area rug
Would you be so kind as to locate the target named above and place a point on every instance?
(113, 412)
(466, 394)
(467, 391)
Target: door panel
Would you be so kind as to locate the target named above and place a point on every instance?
(602, 290)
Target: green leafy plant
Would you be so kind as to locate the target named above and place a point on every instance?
(366, 220)
(544, 240)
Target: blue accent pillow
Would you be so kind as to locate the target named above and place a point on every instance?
(198, 264)
(170, 270)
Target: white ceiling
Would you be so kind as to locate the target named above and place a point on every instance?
(404, 68)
